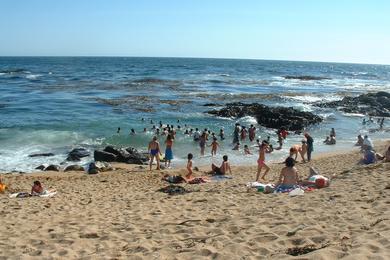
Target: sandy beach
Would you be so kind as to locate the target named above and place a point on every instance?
(122, 215)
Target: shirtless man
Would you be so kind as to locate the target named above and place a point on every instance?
(288, 176)
(294, 150)
(225, 167)
(261, 161)
(154, 151)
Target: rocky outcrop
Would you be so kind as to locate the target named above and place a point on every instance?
(129, 155)
(77, 153)
(74, 167)
(96, 167)
(41, 155)
(104, 156)
(305, 77)
(271, 117)
(53, 167)
(371, 104)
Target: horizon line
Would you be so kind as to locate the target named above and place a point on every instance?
(185, 57)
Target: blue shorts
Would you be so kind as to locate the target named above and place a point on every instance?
(168, 154)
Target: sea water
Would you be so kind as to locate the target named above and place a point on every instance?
(55, 104)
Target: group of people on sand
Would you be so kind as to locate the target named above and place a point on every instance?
(369, 153)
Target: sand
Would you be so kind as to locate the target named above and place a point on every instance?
(121, 215)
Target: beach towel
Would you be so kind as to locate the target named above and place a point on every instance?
(45, 194)
(220, 177)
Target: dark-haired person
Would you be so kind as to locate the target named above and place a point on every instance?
(225, 167)
(310, 149)
(288, 178)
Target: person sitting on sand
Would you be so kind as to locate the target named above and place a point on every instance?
(214, 146)
(288, 178)
(225, 167)
(154, 152)
(37, 189)
(369, 157)
(359, 140)
(367, 143)
(236, 147)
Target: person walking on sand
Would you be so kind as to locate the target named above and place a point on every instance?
(154, 152)
(214, 146)
(168, 151)
(309, 141)
(261, 161)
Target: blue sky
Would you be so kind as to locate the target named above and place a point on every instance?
(327, 30)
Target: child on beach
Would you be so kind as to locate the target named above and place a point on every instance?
(154, 152)
(225, 167)
(222, 134)
(214, 146)
(189, 165)
(246, 150)
(261, 161)
(168, 151)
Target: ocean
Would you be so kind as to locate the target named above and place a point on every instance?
(55, 104)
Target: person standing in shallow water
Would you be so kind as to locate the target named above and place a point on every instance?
(236, 133)
(310, 148)
(168, 150)
(154, 152)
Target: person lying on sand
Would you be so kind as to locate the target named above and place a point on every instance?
(225, 167)
(315, 180)
(37, 189)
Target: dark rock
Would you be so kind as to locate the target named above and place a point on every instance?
(104, 166)
(211, 105)
(111, 149)
(304, 77)
(371, 104)
(41, 167)
(41, 155)
(136, 157)
(271, 117)
(74, 167)
(53, 167)
(92, 168)
(77, 153)
(104, 156)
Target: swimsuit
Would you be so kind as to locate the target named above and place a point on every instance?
(154, 152)
(260, 162)
(168, 154)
